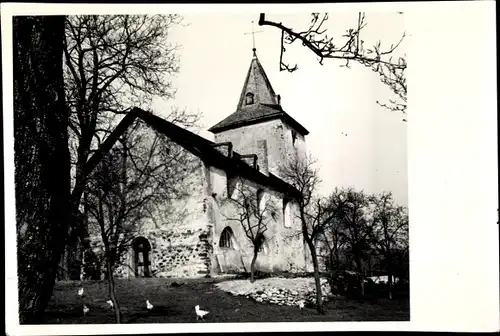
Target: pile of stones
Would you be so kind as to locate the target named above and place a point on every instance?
(289, 297)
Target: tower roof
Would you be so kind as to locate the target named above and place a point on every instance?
(257, 103)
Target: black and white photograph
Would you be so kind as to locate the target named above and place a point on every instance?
(202, 167)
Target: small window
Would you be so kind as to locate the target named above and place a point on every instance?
(294, 137)
(226, 238)
(287, 213)
(249, 98)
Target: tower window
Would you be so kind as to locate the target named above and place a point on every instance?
(249, 98)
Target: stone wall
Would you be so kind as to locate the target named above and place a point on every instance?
(173, 254)
(180, 245)
(179, 234)
(297, 147)
(179, 253)
(283, 250)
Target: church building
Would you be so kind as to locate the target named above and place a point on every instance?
(248, 148)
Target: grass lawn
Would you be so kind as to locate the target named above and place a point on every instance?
(175, 304)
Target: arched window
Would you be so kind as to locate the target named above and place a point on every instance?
(226, 238)
(261, 202)
(249, 98)
(142, 263)
(287, 213)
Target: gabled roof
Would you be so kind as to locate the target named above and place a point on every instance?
(206, 151)
(265, 106)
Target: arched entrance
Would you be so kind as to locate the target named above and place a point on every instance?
(142, 262)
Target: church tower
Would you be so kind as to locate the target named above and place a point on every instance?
(260, 126)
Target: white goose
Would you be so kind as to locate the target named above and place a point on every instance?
(200, 313)
(80, 292)
(85, 310)
(149, 306)
(301, 305)
(110, 303)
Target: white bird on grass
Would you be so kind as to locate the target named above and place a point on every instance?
(80, 292)
(110, 303)
(301, 305)
(199, 312)
(85, 310)
(149, 306)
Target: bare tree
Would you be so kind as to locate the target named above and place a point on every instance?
(106, 193)
(333, 243)
(390, 232)
(41, 130)
(113, 62)
(314, 212)
(134, 182)
(40, 136)
(402, 263)
(349, 48)
(253, 210)
(354, 221)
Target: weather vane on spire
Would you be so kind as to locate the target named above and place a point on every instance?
(253, 35)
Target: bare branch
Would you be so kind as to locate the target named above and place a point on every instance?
(352, 49)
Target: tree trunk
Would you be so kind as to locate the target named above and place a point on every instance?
(252, 265)
(335, 271)
(362, 280)
(390, 277)
(337, 260)
(42, 171)
(317, 279)
(361, 277)
(389, 280)
(112, 293)
(333, 266)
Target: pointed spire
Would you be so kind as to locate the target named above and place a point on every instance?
(257, 88)
(258, 102)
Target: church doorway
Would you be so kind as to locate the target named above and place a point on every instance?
(142, 262)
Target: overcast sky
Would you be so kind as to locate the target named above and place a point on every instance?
(328, 100)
